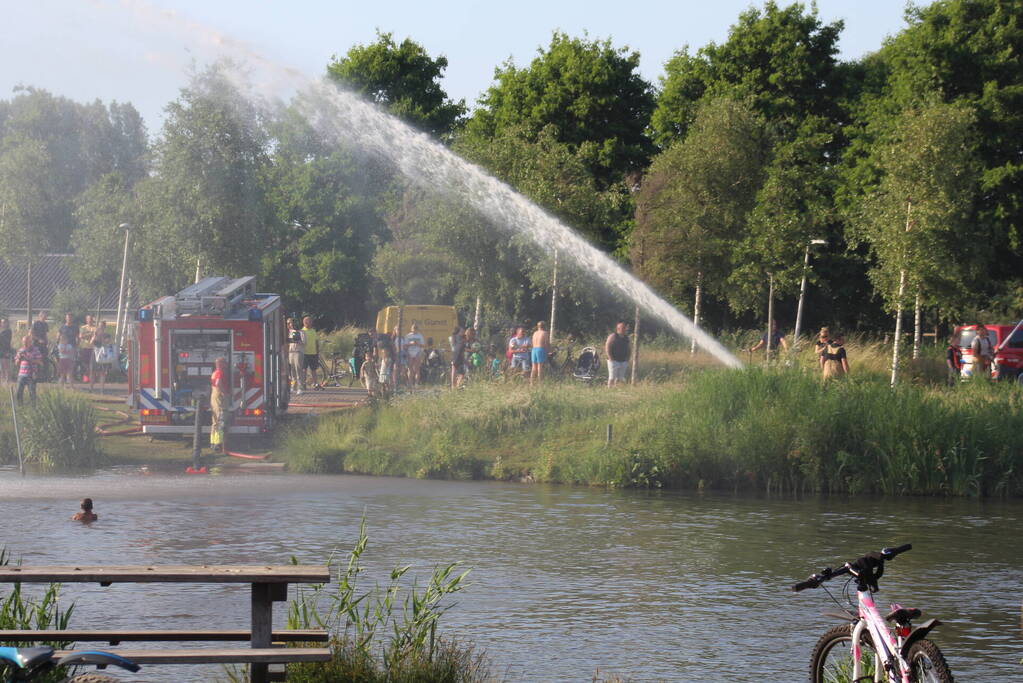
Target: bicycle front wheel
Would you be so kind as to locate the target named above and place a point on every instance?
(927, 663)
(832, 659)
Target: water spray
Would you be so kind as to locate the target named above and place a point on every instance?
(344, 117)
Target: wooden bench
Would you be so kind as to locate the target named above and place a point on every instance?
(269, 585)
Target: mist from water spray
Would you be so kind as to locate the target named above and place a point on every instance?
(343, 117)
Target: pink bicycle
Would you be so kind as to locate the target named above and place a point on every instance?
(867, 648)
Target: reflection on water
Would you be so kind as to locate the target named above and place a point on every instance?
(564, 581)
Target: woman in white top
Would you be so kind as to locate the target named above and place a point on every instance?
(414, 345)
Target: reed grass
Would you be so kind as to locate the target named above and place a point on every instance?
(383, 634)
(59, 431)
(772, 428)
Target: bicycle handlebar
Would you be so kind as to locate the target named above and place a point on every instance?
(828, 573)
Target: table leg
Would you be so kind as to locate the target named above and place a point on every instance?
(262, 628)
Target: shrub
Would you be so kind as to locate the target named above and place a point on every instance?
(59, 431)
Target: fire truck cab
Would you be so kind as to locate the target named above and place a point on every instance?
(177, 340)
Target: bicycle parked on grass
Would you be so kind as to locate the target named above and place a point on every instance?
(340, 368)
(33, 663)
(866, 649)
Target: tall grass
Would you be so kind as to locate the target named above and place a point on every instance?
(59, 431)
(384, 633)
(761, 429)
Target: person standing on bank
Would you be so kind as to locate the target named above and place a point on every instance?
(540, 349)
(296, 356)
(85, 353)
(616, 348)
(983, 353)
(311, 355)
(953, 361)
(414, 344)
(777, 340)
(834, 363)
(220, 398)
(28, 360)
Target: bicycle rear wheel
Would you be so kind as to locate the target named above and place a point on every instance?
(928, 664)
(832, 660)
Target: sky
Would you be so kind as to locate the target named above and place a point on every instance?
(142, 51)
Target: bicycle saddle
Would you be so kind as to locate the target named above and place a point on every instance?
(26, 657)
(903, 614)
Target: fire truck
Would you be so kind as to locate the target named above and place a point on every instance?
(176, 341)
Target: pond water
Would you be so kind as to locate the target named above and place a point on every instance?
(564, 581)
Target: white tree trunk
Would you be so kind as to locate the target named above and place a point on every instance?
(696, 308)
(917, 329)
(898, 327)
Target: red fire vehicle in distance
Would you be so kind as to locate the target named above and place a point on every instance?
(177, 339)
(1008, 363)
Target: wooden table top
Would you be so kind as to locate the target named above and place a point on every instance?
(167, 574)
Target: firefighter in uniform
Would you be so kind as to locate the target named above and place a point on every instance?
(220, 401)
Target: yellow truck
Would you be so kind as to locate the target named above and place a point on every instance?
(434, 321)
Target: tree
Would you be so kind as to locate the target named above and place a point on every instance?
(402, 78)
(961, 52)
(204, 205)
(792, 207)
(328, 206)
(783, 59)
(74, 145)
(696, 198)
(589, 92)
(917, 222)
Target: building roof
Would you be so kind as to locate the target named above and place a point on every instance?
(49, 276)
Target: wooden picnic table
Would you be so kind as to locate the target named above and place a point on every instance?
(269, 584)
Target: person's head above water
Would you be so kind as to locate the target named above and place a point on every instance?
(87, 504)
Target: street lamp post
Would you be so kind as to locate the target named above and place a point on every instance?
(802, 288)
(122, 318)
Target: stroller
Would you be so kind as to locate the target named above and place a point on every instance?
(587, 365)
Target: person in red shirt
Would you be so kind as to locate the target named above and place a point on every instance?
(220, 397)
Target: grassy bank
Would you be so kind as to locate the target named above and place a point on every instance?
(756, 430)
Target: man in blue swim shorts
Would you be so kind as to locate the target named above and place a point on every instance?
(541, 345)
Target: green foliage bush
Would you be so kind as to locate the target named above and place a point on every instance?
(59, 431)
(760, 429)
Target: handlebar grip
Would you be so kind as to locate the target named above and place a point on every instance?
(812, 582)
(892, 552)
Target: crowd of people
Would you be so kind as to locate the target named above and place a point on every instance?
(385, 361)
(81, 352)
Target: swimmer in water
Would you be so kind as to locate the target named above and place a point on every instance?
(86, 515)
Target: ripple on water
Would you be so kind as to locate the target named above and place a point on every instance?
(564, 581)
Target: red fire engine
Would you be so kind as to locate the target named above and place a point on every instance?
(177, 340)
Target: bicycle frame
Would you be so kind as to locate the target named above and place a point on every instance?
(885, 645)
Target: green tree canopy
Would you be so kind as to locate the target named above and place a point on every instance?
(402, 78)
(918, 218)
(588, 91)
(782, 58)
(696, 198)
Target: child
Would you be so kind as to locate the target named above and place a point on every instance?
(369, 375)
(66, 352)
(28, 360)
(86, 515)
(386, 371)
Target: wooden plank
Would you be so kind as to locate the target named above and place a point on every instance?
(167, 574)
(244, 655)
(280, 636)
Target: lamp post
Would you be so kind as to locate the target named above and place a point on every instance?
(121, 316)
(802, 288)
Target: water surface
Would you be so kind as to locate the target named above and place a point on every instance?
(565, 581)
